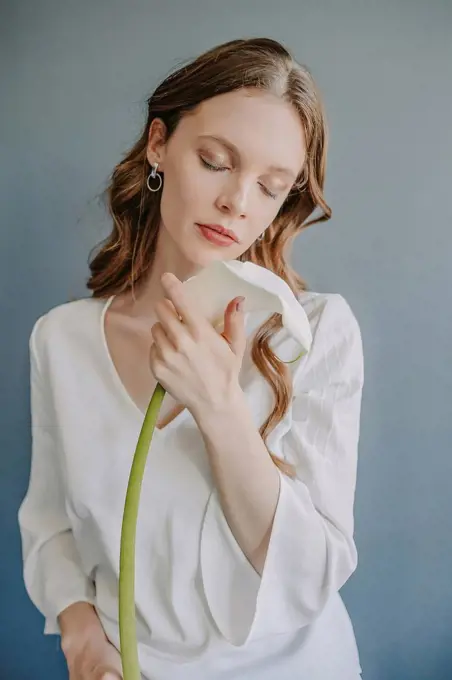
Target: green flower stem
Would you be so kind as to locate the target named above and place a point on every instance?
(127, 617)
(127, 620)
(292, 361)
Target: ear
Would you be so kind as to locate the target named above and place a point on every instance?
(155, 151)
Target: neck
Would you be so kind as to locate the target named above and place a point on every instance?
(168, 258)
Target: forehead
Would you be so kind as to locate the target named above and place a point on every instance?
(265, 129)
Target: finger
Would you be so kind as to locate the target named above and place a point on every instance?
(165, 420)
(108, 674)
(112, 669)
(170, 321)
(157, 363)
(183, 305)
(234, 327)
(162, 343)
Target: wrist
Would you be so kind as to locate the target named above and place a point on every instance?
(226, 407)
(77, 622)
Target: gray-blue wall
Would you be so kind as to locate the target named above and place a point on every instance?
(75, 76)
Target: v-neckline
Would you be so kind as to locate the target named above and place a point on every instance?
(133, 406)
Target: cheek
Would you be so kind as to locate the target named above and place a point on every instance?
(261, 215)
(186, 194)
(267, 210)
(174, 197)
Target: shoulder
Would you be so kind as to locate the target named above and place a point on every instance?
(337, 341)
(329, 310)
(65, 322)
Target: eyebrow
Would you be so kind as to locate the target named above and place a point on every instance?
(235, 152)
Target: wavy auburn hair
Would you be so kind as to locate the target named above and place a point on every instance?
(126, 255)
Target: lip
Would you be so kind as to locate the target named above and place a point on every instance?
(221, 230)
(221, 240)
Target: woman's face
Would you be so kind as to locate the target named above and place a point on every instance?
(232, 163)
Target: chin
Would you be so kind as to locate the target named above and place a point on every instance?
(201, 255)
(203, 259)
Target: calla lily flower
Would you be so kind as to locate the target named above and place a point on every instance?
(212, 288)
(215, 286)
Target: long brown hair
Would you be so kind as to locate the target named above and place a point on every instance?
(126, 255)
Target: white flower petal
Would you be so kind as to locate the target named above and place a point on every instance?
(215, 286)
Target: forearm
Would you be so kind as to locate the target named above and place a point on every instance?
(244, 474)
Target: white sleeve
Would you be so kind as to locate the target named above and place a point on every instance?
(311, 552)
(52, 572)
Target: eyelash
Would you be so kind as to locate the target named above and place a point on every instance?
(219, 168)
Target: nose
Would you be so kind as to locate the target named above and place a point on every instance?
(234, 198)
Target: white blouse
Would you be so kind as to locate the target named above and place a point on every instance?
(202, 609)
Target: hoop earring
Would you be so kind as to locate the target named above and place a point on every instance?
(154, 174)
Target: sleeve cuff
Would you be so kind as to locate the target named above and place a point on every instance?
(51, 625)
(56, 580)
(246, 605)
(231, 584)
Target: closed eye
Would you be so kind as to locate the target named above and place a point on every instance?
(269, 193)
(212, 166)
(222, 168)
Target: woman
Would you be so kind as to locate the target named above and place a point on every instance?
(240, 554)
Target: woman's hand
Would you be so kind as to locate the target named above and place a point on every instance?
(92, 657)
(193, 362)
(89, 654)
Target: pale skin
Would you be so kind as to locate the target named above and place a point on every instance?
(256, 144)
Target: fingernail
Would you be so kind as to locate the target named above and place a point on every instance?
(167, 277)
(239, 304)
